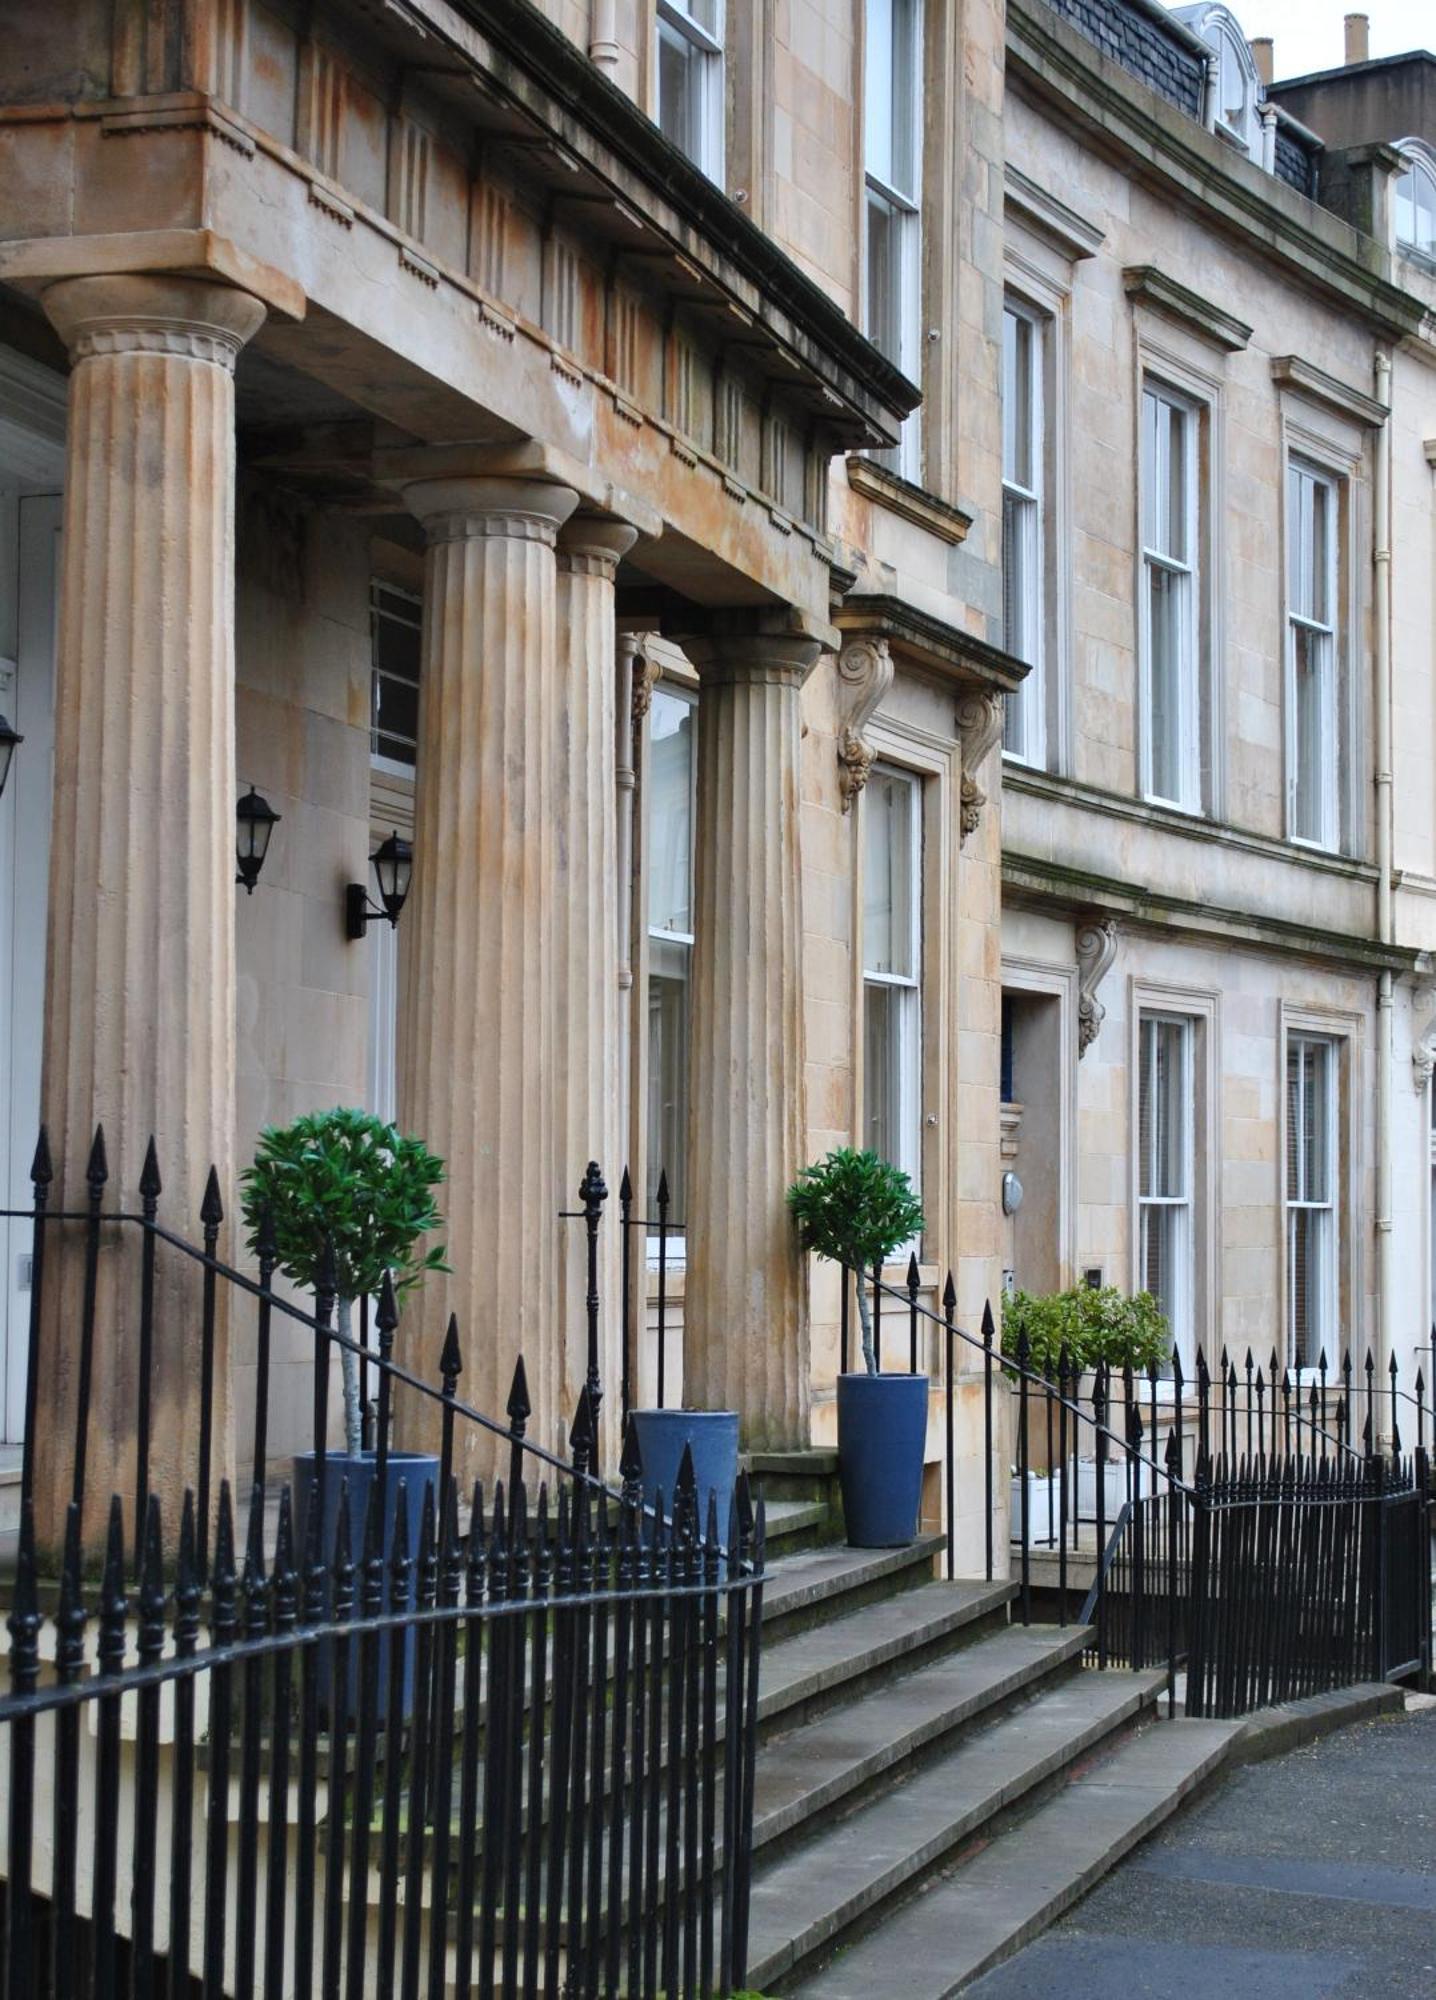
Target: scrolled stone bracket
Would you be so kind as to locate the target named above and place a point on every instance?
(1096, 949)
(865, 673)
(1423, 1036)
(979, 725)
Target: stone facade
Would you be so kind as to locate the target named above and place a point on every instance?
(420, 307)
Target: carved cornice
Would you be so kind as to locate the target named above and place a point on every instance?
(1154, 288)
(979, 725)
(865, 673)
(1289, 371)
(1096, 949)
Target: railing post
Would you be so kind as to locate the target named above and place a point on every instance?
(625, 1225)
(211, 1215)
(451, 1364)
(1064, 1383)
(324, 1294)
(42, 1173)
(663, 1199)
(1204, 1406)
(1099, 1412)
(1174, 1501)
(988, 1330)
(913, 1283)
(949, 1307)
(96, 1174)
(386, 1323)
(268, 1250)
(593, 1193)
(878, 1316)
(149, 1212)
(1024, 1350)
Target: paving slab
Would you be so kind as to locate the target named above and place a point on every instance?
(1310, 1876)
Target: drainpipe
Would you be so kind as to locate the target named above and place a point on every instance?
(1385, 1056)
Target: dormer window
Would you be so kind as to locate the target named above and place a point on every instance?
(1415, 200)
(1238, 87)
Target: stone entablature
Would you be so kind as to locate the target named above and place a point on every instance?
(543, 248)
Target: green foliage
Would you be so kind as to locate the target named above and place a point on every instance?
(854, 1208)
(1093, 1325)
(348, 1177)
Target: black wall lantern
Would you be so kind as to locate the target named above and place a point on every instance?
(254, 820)
(8, 739)
(393, 864)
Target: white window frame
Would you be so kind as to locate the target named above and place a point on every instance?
(1024, 733)
(1183, 565)
(1181, 1308)
(1324, 1336)
(664, 935)
(395, 766)
(674, 21)
(1303, 475)
(1420, 166)
(909, 1012)
(904, 205)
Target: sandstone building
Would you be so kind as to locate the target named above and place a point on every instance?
(847, 534)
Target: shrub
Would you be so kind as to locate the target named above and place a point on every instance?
(1094, 1325)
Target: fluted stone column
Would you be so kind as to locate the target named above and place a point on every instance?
(477, 1022)
(139, 1021)
(587, 1066)
(745, 1315)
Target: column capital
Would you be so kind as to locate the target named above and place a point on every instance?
(732, 658)
(481, 505)
(594, 545)
(192, 319)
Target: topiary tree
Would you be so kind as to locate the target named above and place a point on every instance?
(855, 1208)
(346, 1179)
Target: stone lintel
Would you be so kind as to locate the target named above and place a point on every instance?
(1145, 283)
(34, 263)
(523, 458)
(1291, 372)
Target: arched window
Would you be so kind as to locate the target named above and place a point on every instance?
(1238, 85)
(1415, 199)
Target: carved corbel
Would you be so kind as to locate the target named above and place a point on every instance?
(1096, 948)
(647, 673)
(865, 673)
(979, 725)
(1423, 1036)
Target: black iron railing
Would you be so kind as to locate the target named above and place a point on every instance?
(520, 1763)
(220, 1289)
(1232, 1441)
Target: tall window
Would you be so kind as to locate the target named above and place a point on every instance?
(1311, 656)
(671, 720)
(1415, 200)
(1165, 1167)
(690, 80)
(892, 143)
(1022, 551)
(892, 967)
(394, 631)
(1310, 1199)
(1171, 759)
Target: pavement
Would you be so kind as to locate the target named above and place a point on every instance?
(1311, 1876)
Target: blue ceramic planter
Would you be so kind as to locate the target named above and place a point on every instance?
(713, 1434)
(882, 1428)
(416, 1470)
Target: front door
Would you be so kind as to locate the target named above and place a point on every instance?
(27, 679)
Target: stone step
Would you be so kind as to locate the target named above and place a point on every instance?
(804, 1673)
(837, 1758)
(805, 1906)
(794, 1524)
(1012, 1888)
(802, 1587)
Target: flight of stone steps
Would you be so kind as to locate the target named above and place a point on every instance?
(935, 1783)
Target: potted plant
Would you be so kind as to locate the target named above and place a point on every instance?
(856, 1209)
(347, 1182)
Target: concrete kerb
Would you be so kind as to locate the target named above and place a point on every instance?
(1287, 1725)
